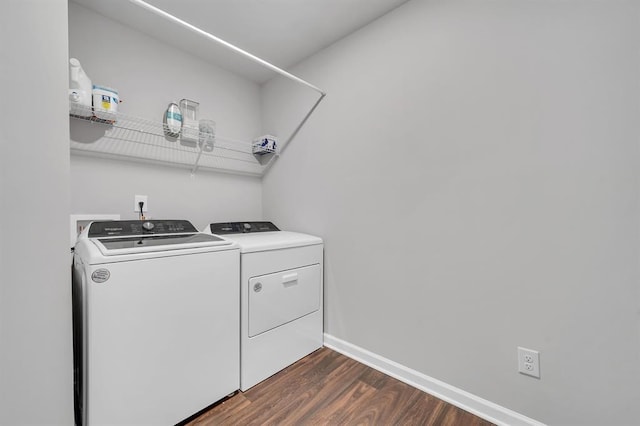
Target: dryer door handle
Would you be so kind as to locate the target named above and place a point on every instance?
(290, 278)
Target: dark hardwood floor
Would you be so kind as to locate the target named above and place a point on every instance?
(327, 388)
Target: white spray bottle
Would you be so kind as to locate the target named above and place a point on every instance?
(80, 90)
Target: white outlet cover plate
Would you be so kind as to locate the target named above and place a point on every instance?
(136, 206)
(529, 368)
(76, 219)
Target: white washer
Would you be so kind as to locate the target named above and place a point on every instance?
(280, 296)
(156, 322)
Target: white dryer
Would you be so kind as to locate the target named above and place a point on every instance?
(156, 322)
(281, 296)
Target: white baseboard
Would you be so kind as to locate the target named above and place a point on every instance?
(480, 407)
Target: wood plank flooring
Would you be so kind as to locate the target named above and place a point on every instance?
(327, 388)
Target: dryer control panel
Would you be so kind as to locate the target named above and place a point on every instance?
(241, 227)
(127, 228)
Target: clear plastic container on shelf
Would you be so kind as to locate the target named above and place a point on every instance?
(190, 126)
(207, 135)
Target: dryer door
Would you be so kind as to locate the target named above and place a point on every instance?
(278, 298)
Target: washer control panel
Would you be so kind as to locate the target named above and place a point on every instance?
(241, 227)
(139, 227)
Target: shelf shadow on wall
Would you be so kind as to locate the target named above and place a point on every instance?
(87, 131)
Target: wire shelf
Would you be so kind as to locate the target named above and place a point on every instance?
(123, 136)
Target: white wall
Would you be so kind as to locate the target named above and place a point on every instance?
(35, 293)
(148, 76)
(474, 172)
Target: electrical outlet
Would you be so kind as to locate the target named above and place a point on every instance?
(136, 205)
(529, 362)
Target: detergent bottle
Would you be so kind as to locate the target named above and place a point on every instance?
(80, 90)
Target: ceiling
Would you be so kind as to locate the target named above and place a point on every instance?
(282, 32)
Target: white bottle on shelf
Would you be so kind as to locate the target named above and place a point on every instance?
(80, 90)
